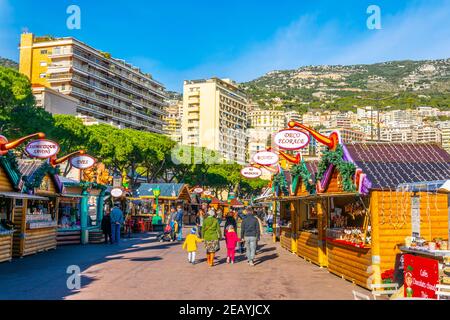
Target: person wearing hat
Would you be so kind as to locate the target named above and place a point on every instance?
(190, 245)
(211, 234)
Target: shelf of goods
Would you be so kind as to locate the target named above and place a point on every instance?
(5, 244)
(348, 257)
(308, 245)
(286, 238)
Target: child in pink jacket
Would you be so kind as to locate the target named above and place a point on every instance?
(231, 240)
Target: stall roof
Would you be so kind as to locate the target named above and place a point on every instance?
(430, 186)
(169, 191)
(29, 168)
(267, 194)
(389, 164)
(18, 195)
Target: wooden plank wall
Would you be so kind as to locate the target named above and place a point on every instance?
(5, 184)
(335, 185)
(394, 216)
(19, 227)
(39, 240)
(307, 246)
(5, 248)
(350, 263)
(285, 238)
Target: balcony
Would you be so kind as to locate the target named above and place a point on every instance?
(193, 116)
(194, 108)
(59, 77)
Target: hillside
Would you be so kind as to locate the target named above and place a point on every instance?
(8, 63)
(402, 84)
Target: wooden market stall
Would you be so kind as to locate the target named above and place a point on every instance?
(367, 216)
(171, 195)
(35, 217)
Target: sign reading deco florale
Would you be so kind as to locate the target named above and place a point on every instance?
(251, 172)
(82, 161)
(266, 158)
(198, 190)
(42, 148)
(291, 139)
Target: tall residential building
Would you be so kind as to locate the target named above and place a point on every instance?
(172, 120)
(445, 130)
(215, 117)
(269, 120)
(108, 89)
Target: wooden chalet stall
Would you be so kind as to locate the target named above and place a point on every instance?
(35, 217)
(367, 217)
(9, 181)
(171, 195)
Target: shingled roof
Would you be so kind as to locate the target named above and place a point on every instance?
(389, 164)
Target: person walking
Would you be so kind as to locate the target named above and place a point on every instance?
(211, 234)
(269, 220)
(106, 227)
(229, 221)
(190, 245)
(116, 222)
(231, 240)
(250, 232)
(179, 220)
(199, 221)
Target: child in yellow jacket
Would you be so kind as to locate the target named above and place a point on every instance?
(190, 244)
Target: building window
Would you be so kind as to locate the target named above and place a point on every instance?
(42, 75)
(43, 64)
(44, 51)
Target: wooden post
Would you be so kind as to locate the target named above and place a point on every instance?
(84, 217)
(293, 209)
(100, 207)
(375, 233)
(321, 228)
(274, 224)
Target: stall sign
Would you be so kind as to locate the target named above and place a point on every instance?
(42, 148)
(291, 139)
(207, 193)
(251, 172)
(415, 216)
(421, 277)
(266, 158)
(82, 161)
(198, 190)
(116, 192)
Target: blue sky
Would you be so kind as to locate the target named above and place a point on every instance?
(242, 39)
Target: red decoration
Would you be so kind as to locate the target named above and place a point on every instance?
(421, 277)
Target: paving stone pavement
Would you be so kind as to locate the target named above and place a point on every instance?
(141, 268)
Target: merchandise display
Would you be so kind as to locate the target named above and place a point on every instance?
(351, 236)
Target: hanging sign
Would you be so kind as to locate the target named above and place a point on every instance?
(291, 139)
(116, 192)
(198, 190)
(251, 172)
(42, 148)
(207, 193)
(415, 216)
(266, 158)
(82, 161)
(421, 277)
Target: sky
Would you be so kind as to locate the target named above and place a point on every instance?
(241, 40)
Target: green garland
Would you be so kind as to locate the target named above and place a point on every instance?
(38, 175)
(11, 165)
(300, 170)
(280, 182)
(346, 169)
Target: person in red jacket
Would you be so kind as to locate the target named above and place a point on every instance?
(231, 240)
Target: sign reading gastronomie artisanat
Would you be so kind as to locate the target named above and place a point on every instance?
(291, 139)
(251, 172)
(82, 161)
(116, 192)
(42, 148)
(198, 190)
(266, 158)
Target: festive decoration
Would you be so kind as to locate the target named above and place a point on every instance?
(300, 170)
(279, 183)
(9, 162)
(346, 169)
(35, 180)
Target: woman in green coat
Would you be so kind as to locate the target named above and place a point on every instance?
(211, 234)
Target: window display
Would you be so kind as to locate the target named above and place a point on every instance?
(69, 214)
(310, 224)
(6, 226)
(349, 223)
(40, 215)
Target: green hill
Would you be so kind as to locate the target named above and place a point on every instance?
(8, 63)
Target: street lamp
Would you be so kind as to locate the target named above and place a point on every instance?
(157, 193)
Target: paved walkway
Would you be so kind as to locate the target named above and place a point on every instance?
(141, 268)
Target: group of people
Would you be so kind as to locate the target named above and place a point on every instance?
(111, 223)
(239, 229)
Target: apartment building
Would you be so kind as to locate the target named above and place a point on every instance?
(269, 120)
(172, 120)
(427, 134)
(215, 117)
(108, 89)
(54, 101)
(445, 131)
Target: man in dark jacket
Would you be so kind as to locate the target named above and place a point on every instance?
(106, 227)
(250, 233)
(179, 220)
